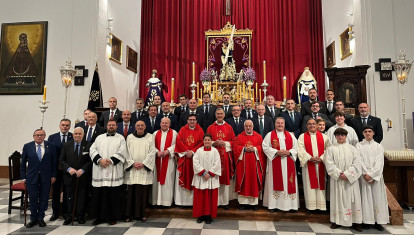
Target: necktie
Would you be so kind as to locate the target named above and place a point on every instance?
(248, 114)
(77, 150)
(237, 121)
(126, 131)
(112, 115)
(39, 152)
(330, 106)
(225, 109)
(206, 109)
(89, 135)
(261, 127)
(273, 112)
(182, 109)
(291, 116)
(152, 123)
(63, 139)
(138, 114)
(364, 121)
(165, 115)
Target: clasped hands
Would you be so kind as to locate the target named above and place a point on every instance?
(163, 153)
(189, 154)
(78, 173)
(219, 143)
(105, 162)
(249, 149)
(343, 176)
(283, 153)
(315, 159)
(138, 165)
(368, 179)
(206, 176)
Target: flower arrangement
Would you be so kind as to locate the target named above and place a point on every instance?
(205, 75)
(249, 74)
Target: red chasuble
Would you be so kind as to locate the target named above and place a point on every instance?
(187, 139)
(225, 133)
(162, 163)
(311, 165)
(277, 165)
(249, 170)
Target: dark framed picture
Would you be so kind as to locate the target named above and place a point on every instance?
(330, 55)
(345, 47)
(23, 58)
(116, 49)
(131, 59)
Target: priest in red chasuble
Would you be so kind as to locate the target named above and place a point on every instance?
(249, 166)
(223, 137)
(189, 139)
(281, 185)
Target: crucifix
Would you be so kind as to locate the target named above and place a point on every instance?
(227, 10)
(384, 66)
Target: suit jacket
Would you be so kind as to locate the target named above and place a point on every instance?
(375, 122)
(184, 116)
(348, 118)
(98, 131)
(290, 125)
(120, 128)
(173, 118)
(69, 159)
(244, 114)
(134, 118)
(269, 114)
(105, 117)
(55, 139)
(326, 108)
(81, 124)
(268, 125)
(328, 122)
(209, 118)
(177, 111)
(46, 167)
(229, 113)
(157, 124)
(237, 129)
(305, 108)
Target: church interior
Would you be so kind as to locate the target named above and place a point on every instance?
(349, 46)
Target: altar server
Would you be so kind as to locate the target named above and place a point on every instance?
(351, 138)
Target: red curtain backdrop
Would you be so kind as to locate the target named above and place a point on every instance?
(287, 34)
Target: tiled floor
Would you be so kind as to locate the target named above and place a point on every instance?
(13, 224)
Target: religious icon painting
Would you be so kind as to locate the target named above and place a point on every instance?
(116, 49)
(330, 55)
(131, 60)
(345, 44)
(23, 58)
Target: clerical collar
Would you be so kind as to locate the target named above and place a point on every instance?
(279, 131)
(369, 141)
(207, 149)
(191, 128)
(249, 134)
(166, 130)
(139, 136)
(220, 123)
(110, 134)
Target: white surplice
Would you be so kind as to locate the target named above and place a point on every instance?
(314, 198)
(279, 199)
(207, 161)
(163, 194)
(345, 195)
(373, 194)
(351, 137)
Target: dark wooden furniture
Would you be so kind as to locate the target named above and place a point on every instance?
(399, 178)
(20, 187)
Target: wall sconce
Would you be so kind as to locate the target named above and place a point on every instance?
(67, 73)
(351, 33)
(109, 31)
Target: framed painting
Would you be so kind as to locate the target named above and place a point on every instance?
(345, 47)
(23, 58)
(116, 49)
(131, 59)
(330, 55)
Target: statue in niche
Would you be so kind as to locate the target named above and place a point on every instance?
(305, 83)
(156, 87)
(228, 70)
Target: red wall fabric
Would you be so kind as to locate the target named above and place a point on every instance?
(286, 33)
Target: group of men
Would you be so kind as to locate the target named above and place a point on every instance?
(119, 158)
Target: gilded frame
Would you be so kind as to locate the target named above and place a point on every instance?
(116, 49)
(345, 46)
(330, 55)
(132, 59)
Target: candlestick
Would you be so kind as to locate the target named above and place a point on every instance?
(193, 72)
(284, 89)
(260, 95)
(244, 91)
(44, 93)
(264, 71)
(256, 90)
(43, 106)
(172, 90)
(198, 90)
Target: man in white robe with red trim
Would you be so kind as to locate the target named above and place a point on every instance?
(311, 148)
(223, 136)
(164, 172)
(188, 140)
(281, 185)
(249, 166)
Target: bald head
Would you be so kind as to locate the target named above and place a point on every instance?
(248, 127)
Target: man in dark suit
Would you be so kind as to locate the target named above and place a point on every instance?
(226, 106)
(208, 110)
(315, 115)
(77, 165)
(192, 109)
(182, 108)
(112, 114)
(236, 122)
(85, 119)
(271, 109)
(262, 124)
(58, 139)
(152, 122)
(125, 127)
(166, 112)
(293, 118)
(157, 103)
(93, 130)
(306, 107)
(358, 123)
(339, 107)
(40, 172)
(248, 112)
(140, 113)
(330, 103)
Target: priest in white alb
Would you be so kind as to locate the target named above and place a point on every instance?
(373, 193)
(351, 138)
(281, 185)
(164, 172)
(311, 148)
(343, 165)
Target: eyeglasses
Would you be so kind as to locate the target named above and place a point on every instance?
(41, 135)
(340, 135)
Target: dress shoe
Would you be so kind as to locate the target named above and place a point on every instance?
(379, 227)
(97, 222)
(143, 219)
(357, 227)
(31, 224)
(54, 217)
(42, 223)
(255, 208)
(226, 207)
(242, 208)
(67, 221)
(208, 220)
(334, 226)
(365, 226)
(81, 220)
(128, 220)
(272, 210)
(112, 222)
(200, 219)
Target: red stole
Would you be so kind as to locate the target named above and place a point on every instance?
(277, 165)
(162, 163)
(311, 165)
